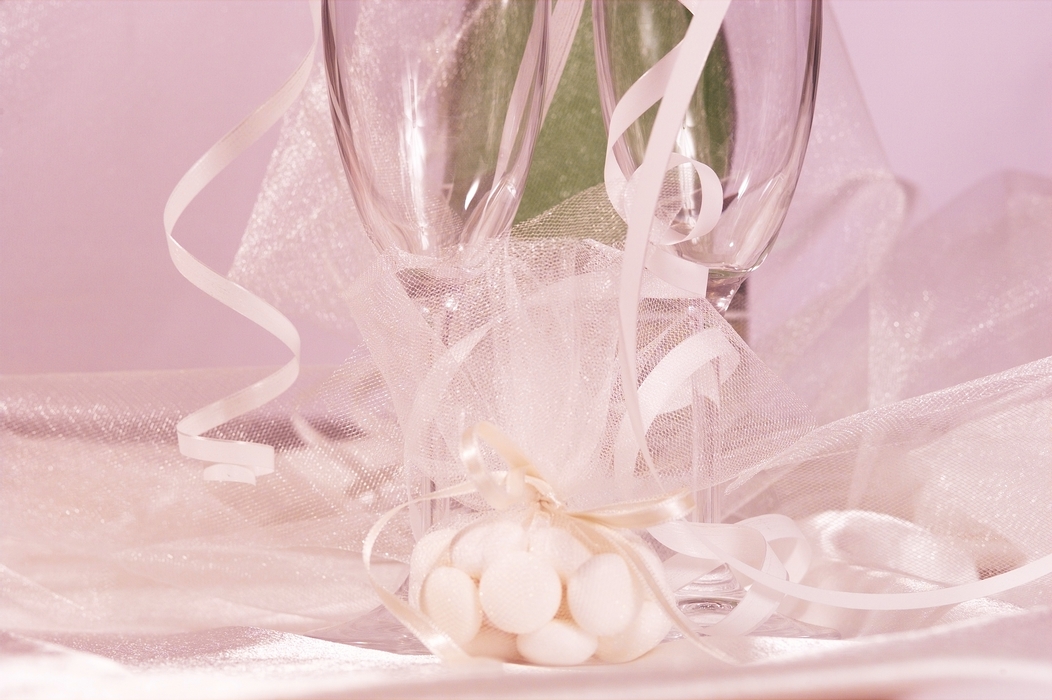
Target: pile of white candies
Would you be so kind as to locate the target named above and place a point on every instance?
(504, 591)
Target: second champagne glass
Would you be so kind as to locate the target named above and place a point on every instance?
(749, 120)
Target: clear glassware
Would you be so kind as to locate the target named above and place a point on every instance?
(436, 106)
(749, 120)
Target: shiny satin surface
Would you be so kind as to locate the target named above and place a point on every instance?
(245, 662)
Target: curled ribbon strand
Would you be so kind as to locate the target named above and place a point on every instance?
(236, 460)
(672, 80)
(667, 388)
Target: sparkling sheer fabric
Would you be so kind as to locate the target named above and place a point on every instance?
(895, 397)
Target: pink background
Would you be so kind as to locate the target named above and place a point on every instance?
(103, 106)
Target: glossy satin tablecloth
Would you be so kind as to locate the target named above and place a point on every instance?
(996, 658)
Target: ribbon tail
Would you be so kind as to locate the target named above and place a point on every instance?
(605, 537)
(438, 642)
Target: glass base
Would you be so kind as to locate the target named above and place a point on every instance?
(378, 630)
(708, 599)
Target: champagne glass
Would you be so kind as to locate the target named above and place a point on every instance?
(749, 120)
(436, 106)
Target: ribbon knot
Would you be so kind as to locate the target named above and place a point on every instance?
(522, 484)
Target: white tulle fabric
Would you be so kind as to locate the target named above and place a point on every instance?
(895, 398)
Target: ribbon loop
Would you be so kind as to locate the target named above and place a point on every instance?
(635, 194)
(711, 203)
(500, 490)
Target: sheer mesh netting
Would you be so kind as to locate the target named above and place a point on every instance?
(895, 397)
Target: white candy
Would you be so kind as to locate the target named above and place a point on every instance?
(602, 595)
(451, 600)
(520, 592)
(478, 546)
(558, 643)
(645, 632)
(510, 614)
(563, 550)
(492, 643)
(432, 549)
(656, 568)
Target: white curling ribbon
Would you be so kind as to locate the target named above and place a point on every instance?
(761, 542)
(521, 486)
(700, 545)
(688, 279)
(669, 387)
(711, 203)
(673, 81)
(236, 460)
(652, 87)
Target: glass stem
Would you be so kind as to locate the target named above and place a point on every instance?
(730, 297)
(708, 504)
(423, 516)
(706, 496)
(429, 513)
